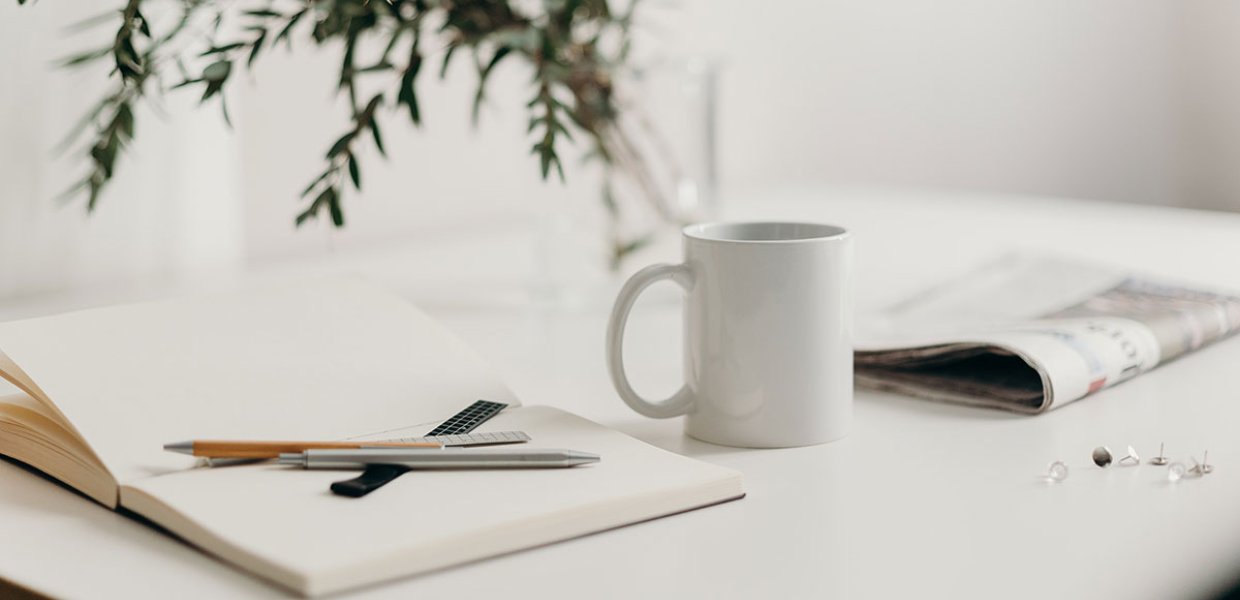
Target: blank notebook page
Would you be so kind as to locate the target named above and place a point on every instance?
(316, 542)
(324, 360)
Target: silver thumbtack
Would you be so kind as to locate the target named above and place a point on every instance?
(1131, 459)
(1102, 456)
(1206, 467)
(1175, 472)
(1159, 460)
(1197, 470)
(1057, 471)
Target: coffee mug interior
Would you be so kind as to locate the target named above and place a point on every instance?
(763, 232)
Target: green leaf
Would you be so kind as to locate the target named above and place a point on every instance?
(476, 108)
(83, 58)
(355, 173)
(483, 74)
(333, 206)
(288, 28)
(315, 183)
(447, 57)
(499, 55)
(224, 110)
(143, 27)
(96, 186)
(124, 121)
(217, 71)
(410, 99)
(374, 129)
(105, 156)
(181, 68)
(307, 214)
(186, 82)
(371, 106)
(89, 22)
(408, 94)
(609, 200)
(324, 195)
(213, 88)
(392, 43)
(633, 246)
(377, 67)
(258, 47)
(545, 154)
(547, 158)
(223, 49)
(624, 249)
(73, 190)
(346, 64)
(82, 124)
(341, 144)
(128, 63)
(326, 199)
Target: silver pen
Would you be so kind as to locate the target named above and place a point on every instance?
(446, 458)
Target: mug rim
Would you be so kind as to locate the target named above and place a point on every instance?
(698, 232)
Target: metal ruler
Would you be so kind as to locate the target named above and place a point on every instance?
(469, 419)
(494, 438)
(377, 476)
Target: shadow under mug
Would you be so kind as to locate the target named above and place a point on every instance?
(767, 331)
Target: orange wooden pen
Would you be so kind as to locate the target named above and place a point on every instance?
(250, 449)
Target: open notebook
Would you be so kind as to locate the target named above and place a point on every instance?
(105, 389)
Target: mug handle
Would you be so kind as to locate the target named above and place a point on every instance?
(682, 400)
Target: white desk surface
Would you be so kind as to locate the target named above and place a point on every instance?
(921, 499)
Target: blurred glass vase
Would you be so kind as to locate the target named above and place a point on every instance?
(662, 175)
(668, 149)
(676, 110)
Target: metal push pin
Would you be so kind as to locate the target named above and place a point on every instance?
(1102, 456)
(1132, 459)
(1175, 472)
(1206, 467)
(1159, 460)
(1057, 472)
(1197, 470)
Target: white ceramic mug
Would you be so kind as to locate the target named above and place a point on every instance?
(768, 334)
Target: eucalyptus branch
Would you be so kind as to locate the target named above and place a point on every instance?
(113, 117)
(339, 157)
(564, 41)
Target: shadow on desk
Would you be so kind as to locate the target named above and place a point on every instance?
(669, 433)
(871, 399)
(12, 591)
(1230, 593)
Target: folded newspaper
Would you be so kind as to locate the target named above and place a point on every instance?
(1029, 334)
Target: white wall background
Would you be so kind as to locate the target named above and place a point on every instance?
(1103, 99)
(176, 207)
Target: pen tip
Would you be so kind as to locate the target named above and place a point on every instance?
(180, 447)
(582, 458)
(291, 458)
